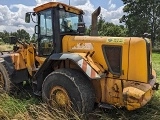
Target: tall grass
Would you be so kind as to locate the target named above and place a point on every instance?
(6, 47)
(23, 109)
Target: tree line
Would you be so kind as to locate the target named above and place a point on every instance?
(142, 16)
(108, 29)
(20, 34)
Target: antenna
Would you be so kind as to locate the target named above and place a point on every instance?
(69, 2)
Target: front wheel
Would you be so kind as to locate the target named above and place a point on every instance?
(68, 87)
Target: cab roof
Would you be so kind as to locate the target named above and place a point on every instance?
(58, 4)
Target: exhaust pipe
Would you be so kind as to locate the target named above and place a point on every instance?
(94, 29)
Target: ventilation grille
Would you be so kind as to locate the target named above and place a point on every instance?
(113, 55)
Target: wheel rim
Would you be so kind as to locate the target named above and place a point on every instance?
(59, 95)
(1, 80)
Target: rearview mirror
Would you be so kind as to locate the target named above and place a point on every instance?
(27, 17)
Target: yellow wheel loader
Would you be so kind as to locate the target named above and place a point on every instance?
(75, 70)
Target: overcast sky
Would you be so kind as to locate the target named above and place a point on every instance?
(12, 12)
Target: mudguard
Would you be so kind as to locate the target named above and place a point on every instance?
(45, 68)
(90, 72)
(64, 56)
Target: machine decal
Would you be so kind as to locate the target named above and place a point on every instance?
(115, 40)
(84, 46)
(87, 69)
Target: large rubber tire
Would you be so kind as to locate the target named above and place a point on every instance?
(78, 87)
(5, 80)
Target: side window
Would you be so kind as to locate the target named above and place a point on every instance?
(46, 33)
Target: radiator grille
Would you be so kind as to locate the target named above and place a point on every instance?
(113, 56)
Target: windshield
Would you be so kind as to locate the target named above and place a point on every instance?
(68, 21)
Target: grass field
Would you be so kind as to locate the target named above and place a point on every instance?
(6, 47)
(24, 106)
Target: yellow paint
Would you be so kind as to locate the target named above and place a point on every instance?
(55, 4)
(30, 57)
(70, 41)
(112, 91)
(133, 75)
(131, 88)
(18, 61)
(90, 61)
(40, 59)
(136, 94)
(59, 95)
(135, 98)
(25, 58)
(138, 61)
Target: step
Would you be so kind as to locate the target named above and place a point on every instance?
(105, 106)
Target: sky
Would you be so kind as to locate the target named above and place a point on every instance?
(12, 12)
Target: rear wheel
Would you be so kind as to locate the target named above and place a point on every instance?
(68, 87)
(5, 83)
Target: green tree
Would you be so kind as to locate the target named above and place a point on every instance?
(23, 35)
(19, 34)
(1, 36)
(109, 29)
(33, 39)
(5, 36)
(88, 30)
(14, 34)
(142, 16)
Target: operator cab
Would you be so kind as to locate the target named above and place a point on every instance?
(55, 20)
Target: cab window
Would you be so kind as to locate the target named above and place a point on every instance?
(46, 33)
(68, 21)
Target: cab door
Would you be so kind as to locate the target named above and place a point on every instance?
(46, 35)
